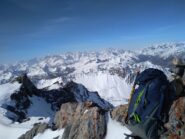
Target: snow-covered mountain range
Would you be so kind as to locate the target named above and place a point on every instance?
(110, 72)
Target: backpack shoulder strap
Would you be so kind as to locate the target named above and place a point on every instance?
(141, 99)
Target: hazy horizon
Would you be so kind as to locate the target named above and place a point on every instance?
(37, 28)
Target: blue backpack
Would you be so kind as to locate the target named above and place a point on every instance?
(149, 104)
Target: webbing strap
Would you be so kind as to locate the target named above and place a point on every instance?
(137, 118)
(138, 99)
(134, 114)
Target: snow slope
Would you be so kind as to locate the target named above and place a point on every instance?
(5, 91)
(8, 129)
(39, 109)
(115, 130)
(49, 134)
(111, 88)
(8, 132)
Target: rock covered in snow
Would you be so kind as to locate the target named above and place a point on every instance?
(37, 128)
(22, 100)
(81, 94)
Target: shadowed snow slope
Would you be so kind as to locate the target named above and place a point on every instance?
(8, 130)
(5, 91)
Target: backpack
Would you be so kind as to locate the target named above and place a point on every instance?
(149, 105)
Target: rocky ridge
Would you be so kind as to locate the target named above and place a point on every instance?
(80, 112)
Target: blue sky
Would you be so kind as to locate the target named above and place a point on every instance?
(34, 28)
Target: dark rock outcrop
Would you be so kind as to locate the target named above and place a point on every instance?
(21, 99)
(28, 86)
(81, 94)
(71, 92)
(81, 121)
(83, 114)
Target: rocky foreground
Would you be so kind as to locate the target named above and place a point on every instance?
(82, 114)
(175, 126)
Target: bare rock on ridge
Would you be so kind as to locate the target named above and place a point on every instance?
(81, 121)
(119, 113)
(38, 128)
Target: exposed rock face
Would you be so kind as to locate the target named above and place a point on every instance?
(119, 113)
(65, 116)
(176, 123)
(20, 99)
(38, 128)
(83, 114)
(81, 121)
(71, 92)
(27, 85)
(175, 126)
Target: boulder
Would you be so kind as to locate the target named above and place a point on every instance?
(175, 127)
(119, 113)
(65, 116)
(81, 121)
(176, 124)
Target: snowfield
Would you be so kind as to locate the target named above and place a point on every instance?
(39, 109)
(8, 132)
(115, 130)
(49, 134)
(111, 88)
(8, 129)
